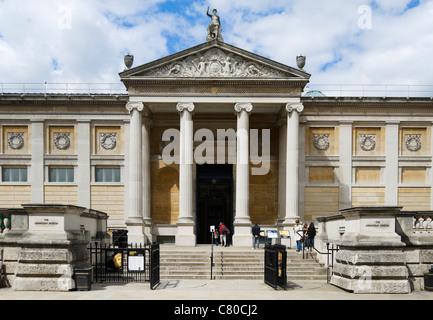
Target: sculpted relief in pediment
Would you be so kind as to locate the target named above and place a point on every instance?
(215, 63)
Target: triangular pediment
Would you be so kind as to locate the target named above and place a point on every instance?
(216, 60)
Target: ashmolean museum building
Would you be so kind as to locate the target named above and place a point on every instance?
(214, 133)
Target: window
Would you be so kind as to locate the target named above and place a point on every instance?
(107, 174)
(61, 175)
(14, 174)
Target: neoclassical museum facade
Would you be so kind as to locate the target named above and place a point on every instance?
(209, 134)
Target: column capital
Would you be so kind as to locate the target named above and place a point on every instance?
(134, 105)
(248, 107)
(294, 106)
(185, 106)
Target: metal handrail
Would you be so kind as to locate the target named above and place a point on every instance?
(329, 252)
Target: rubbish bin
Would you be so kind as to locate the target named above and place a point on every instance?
(120, 238)
(83, 279)
(428, 280)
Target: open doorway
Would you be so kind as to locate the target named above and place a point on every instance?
(214, 199)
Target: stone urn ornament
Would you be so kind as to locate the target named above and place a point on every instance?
(129, 60)
(300, 61)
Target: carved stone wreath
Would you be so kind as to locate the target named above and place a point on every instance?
(108, 140)
(16, 140)
(367, 142)
(321, 142)
(413, 142)
(62, 140)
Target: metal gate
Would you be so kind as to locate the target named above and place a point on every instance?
(126, 264)
(276, 266)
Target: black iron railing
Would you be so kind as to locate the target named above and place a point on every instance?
(125, 264)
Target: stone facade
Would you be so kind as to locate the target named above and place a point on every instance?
(106, 152)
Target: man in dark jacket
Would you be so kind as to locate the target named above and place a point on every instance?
(256, 235)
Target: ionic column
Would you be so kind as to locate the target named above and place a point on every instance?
(185, 225)
(242, 222)
(134, 221)
(292, 163)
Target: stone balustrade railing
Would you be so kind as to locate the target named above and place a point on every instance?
(5, 222)
(423, 222)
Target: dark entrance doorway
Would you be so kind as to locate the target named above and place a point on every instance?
(214, 199)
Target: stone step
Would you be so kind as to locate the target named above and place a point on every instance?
(231, 263)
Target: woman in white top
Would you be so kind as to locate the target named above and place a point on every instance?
(298, 235)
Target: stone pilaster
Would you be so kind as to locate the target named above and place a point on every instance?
(37, 167)
(345, 169)
(147, 177)
(83, 174)
(282, 125)
(391, 175)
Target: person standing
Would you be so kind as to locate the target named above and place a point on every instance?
(216, 236)
(223, 234)
(256, 235)
(311, 233)
(298, 235)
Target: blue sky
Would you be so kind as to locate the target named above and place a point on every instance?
(356, 41)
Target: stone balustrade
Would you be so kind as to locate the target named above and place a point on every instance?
(423, 222)
(5, 222)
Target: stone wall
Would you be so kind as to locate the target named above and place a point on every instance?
(381, 249)
(44, 244)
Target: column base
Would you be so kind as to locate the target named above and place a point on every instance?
(242, 236)
(287, 225)
(185, 236)
(136, 232)
(290, 222)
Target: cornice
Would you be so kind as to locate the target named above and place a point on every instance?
(213, 81)
(365, 101)
(63, 99)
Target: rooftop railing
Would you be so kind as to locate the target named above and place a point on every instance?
(311, 90)
(369, 90)
(62, 88)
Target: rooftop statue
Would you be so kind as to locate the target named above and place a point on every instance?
(214, 29)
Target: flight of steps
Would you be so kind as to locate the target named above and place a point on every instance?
(231, 263)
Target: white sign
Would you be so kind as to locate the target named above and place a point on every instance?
(136, 263)
(212, 228)
(272, 234)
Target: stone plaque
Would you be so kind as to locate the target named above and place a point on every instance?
(38, 223)
(377, 225)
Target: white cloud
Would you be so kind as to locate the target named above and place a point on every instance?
(85, 40)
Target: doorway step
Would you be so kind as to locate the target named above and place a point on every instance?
(232, 263)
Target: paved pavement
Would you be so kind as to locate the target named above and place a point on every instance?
(211, 290)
